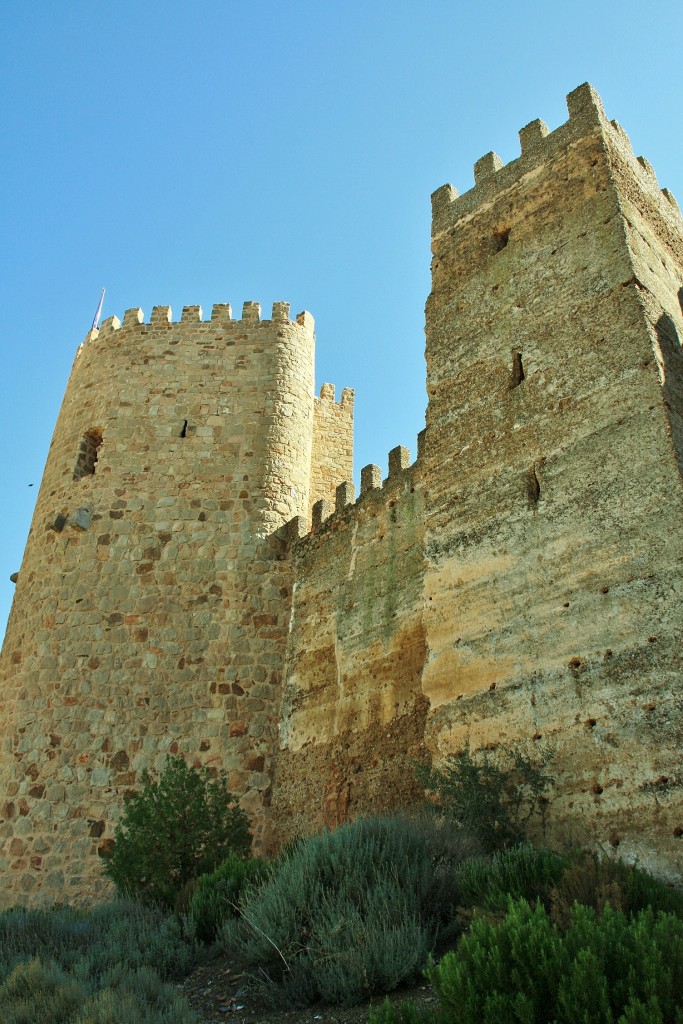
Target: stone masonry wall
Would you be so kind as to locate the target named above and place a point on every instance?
(151, 608)
(545, 604)
(353, 712)
(332, 454)
(521, 582)
(653, 230)
(553, 516)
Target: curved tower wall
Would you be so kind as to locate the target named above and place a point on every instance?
(152, 602)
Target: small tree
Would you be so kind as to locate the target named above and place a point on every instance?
(176, 828)
(491, 796)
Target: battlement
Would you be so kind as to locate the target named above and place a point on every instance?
(202, 576)
(327, 514)
(327, 394)
(221, 316)
(538, 144)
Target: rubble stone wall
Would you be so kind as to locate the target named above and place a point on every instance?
(353, 711)
(200, 578)
(332, 451)
(553, 536)
(151, 609)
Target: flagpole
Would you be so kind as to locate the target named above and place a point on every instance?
(96, 318)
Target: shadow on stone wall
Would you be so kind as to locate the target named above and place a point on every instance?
(672, 355)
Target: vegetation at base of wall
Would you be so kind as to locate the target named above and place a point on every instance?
(122, 932)
(358, 912)
(558, 881)
(37, 992)
(608, 969)
(215, 896)
(492, 795)
(526, 968)
(596, 882)
(349, 913)
(402, 1013)
(178, 827)
(109, 966)
(520, 872)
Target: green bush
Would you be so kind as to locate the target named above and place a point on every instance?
(518, 872)
(43, 993)
(177, 828)
(601, 970)
(122, 932)
(215, 896)
(37, 993)
(136, 997)
(348, 913)
(491, 795)
(596, 881)
(401, 1013)
(559, 880)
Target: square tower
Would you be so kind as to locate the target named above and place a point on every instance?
(553, 458)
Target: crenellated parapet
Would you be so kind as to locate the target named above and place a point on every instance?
(538, 146)
(328, 514)
(332, 449)
(191, 321)
(202, 578)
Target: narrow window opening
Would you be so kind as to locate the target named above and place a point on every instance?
(518, 374)
(500, 239)
(533, 487)
(183, 431)
(88, 453)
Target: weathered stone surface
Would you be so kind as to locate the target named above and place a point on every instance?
(520, 582)
(555, 541)
(153, 618)
(547, 592)
(332, 455)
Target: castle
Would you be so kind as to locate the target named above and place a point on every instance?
(201, 579)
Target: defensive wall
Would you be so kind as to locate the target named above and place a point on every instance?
(201, 578)
(152, 604)
(553, 527)
(538, 536)
(353, 712)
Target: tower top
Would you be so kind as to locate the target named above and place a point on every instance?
(221, 315)
(538, 145)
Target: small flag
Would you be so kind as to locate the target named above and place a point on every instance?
(96, 318)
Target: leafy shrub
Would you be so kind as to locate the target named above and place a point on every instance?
(43, 993)
(178, 827)
(491, 795)
(122, 932)
(400, 1013)
(37, 993)
(347, 913)
(215, 896)
(603, 969)
(559, 880)
(597, 881)
(136, 997)
(518, 872)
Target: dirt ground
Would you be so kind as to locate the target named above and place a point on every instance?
(217, 991)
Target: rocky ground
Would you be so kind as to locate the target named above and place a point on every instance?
(217, 991)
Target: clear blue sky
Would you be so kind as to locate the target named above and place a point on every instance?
(221, 150)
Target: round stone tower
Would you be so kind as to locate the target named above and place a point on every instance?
(152, 603)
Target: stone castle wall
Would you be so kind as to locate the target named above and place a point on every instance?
(332, 451)
(553, 534)
(353, 712)
(151, 609)
(520, 582)
(544, 603)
